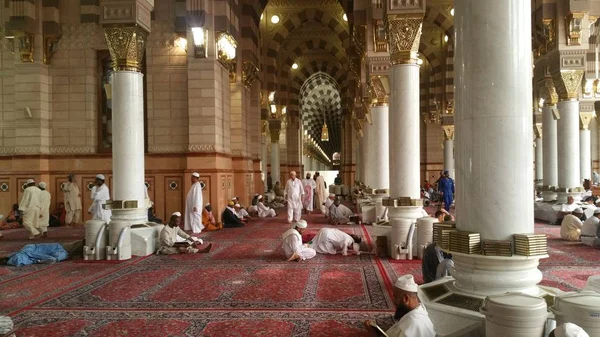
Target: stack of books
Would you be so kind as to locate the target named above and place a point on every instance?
(465, 242)
(531, 244)
(497, 247)
(441, 233)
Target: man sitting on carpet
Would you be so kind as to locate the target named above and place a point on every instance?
(170, 239)
(208, 219)
(264, 211)
(566, 209)
(292, 243)
(332, 240)
(230, 219)
(568, 330)
(590, 231)
(241, 213)
(339, 214)
(570, 227)
(413, 319)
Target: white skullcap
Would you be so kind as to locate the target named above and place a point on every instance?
(569, 330)
(42, 185)
(256, 195)
(176, 213)
(235, 198)
(597, 211)
(196, 174)
(406, 283)
(208, 204)
(30, 181)
(578, 210)
(301, 224)
(237, 205)
(598, 201)
(100, 176)
(332, 195)
(260, 197)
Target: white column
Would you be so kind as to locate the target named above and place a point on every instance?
(359, 160)
(449, 156)
(594, 142)
(128, 145)
(539, 167)
(368, 130)
(585, 145)
(550, 155)
(491, 127)
(263, 156)
(379, 148)
(568, 148)
(275, 174)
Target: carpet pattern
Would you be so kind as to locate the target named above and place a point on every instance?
(243, 287)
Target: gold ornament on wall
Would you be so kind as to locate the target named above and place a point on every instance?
(380, 41)
(574, 23)
(249, 74)
(448, 132)
(25, 46)
(404, 35)
(127, 45)
(548, 92)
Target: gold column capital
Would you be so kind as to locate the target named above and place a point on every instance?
(548, 92)
(568, 84)
(379, 90)
(585, 118)
(404, 35)
(537, 130)
(127, 44)
(275, 129)
(448, 132)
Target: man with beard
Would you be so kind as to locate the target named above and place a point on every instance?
(411, 316)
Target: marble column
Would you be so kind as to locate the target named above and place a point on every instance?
(275, 129)
(586, 116)
(550, 146)
(568, 149)
(491, 127)
(359, 160)
(449, 149)
(263, 156)
(594, 144)
(128, 204)
(538, 155)
(404, 203)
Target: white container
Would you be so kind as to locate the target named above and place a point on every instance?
(581, 308)
(400, 232)
(337, 189)
(345, 190)
(144, 239)
(593, 284)
(332, 189)
(424, 234)
(514, 315)
(119, 240)
(96, 239)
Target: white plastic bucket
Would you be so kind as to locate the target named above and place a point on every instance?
(514, 315)
(593, 284)
(581, 308)
(345, 190)
(92, 230)
(424, 234)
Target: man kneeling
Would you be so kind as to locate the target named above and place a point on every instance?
(292, 243)
(173, 240)
(332, 240)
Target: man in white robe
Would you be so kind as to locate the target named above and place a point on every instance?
(413, 319)
(193, 206)
(339, 214)
(327, 204)
(293, 194)
(332, 240)
(590, 231)
(309, 186)
(100, 194)
(264, 211)
(45, 200)
(570, 227)
(72, 201)
(292, 243)
(241, 213)
(321, 189)
(30, 207)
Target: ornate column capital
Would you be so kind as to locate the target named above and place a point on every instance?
(568, 84)
(548, 91)
(275, 129)
(448, 132)
(586, 115)
(126, 28)
(379, 89)
(404, 35)
(537, 130)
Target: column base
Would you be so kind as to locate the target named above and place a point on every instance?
(549, 196)
(488, 275)
(403, 222)
(380, 213)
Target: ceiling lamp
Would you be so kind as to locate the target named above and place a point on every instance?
(324, 133)
(295, 66)
(181, 42)
(345, 17)
(275, 19)
(452, 12)
(261, 16)
(284, 110)
(199, 36)
(271, 96)
(446, 38)
(419, 61)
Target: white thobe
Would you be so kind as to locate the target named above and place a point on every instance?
(567, 208)
(30, 206)
(331, 240)
(264, 211)
(589, 232)
(321, 190)
(570, 228)
(294, 193)
(45, 199)
(193, 219)
(416, 323)
(340, 213)
(72, 202)
(99, 196)
(292, 243)
(309, 186)
(241, 213)
(326, 206)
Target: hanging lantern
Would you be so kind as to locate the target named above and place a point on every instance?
(324, 133)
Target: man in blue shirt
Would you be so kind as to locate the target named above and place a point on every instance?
(446, 186)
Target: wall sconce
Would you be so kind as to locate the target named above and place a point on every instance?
(50, 47)
(273, 108)
(271, 96)
(25, 46)
(284, 110)
(226, 52)
(182, 43)
(199, 35)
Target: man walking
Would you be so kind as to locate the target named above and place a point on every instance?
(72, 201)
(446, 186)
(293, 194)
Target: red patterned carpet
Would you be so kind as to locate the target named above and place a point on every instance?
(243, 287)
